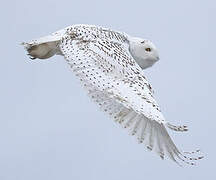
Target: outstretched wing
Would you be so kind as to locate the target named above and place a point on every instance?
(101, 60)
(107, 64)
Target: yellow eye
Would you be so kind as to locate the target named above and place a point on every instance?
(148, 49)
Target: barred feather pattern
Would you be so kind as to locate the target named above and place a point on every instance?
(112, 79)
(152, 134)
(109, 70)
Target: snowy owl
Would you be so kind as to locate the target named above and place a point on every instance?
(110, 67)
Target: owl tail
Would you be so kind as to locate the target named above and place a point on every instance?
(44, 47)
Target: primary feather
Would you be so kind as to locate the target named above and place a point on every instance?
(109, 64)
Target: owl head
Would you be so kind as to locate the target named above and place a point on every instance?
(143, 51)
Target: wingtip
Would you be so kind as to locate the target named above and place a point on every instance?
(177, 128)
(24, 44)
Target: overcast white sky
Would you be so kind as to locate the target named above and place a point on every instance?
(49, 129)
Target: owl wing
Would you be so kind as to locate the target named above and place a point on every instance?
(116, 83)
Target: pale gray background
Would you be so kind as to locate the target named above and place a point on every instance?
(49, 129)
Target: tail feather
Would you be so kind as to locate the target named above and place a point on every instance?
(44, 47)
(41, 51)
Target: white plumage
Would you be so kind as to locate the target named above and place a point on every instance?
(109, 64)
